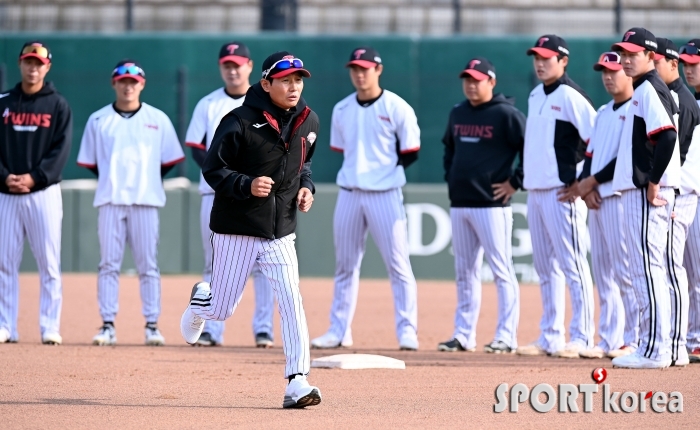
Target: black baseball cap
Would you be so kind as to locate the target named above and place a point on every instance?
(548, 46)
(608, 60)
(128, 69)
(479, 68)
(275, 67)
(36, 49)
(365, 57)
(637, 39)
(666, 49)
(234, 51)
(690, 52)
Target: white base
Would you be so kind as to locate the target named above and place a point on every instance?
(358, 361)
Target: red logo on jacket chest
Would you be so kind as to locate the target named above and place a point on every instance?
(485, 131)
(24, 118)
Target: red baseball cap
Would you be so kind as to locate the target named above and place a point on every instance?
(365, 57)
(548, 46)
(37, 50)
(236, 52)
(637, 39)
(479, 68)
(690, 52)
(608, 60)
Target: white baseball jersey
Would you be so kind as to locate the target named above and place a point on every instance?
(690, 171)
(371, 138)
(691, 261)
(129, 153)
(205, 119)
(605, 140)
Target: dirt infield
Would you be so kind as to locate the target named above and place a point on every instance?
(133, 386)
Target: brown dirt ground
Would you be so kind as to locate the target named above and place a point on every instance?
(133, 386)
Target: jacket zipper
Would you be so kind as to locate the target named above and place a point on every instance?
(303, 153)
(544, 103)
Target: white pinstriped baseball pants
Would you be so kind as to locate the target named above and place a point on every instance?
(138, 226)
(233, 259)
(646, 235)
(559, 252)
(36, 216)
(619, 313)
(684, 208)
(382, 214)
(691, 262)
(479, 232)
(264, 297)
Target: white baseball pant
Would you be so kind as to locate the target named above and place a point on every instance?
(233, 259)
(264, 297)
(559, 251)
(479, 232)
(139, 227)
(646, 235)
(691, 262)
(382, 214)
(684, 208)
(619, 314)
(38, 217)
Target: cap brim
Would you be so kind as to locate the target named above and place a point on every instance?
(42, 59)
(629, 47)
(234, 58)
(137, 78)
(282, 73)
(365, 64)
(474, 74)
(690, 59)
(610, 66)
(658, 57)
(542, 52)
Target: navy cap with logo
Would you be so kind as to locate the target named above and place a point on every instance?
(479, 68)
(637, 39)
(281, 64)
(128, 69)
(365, 57)
(548, 46)
(37, 50)
(234, 51)
(666, 49)
(609, 60)
(690, 52)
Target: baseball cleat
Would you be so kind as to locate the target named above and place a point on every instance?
(694, 355)
(263, 340)
(408, 343)
(453, 345)
(153, 336)
(106, 336)
(205, 339)
(531, 349)
(329, 341)
(4, 335)
(299, 394)
(595, 352)
(570, 350)
(683, 358)
(621, 352)
(637, 361)
(51, 339)
(498, 347)
(191, 324)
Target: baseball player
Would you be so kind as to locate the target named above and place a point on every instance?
(559, 123)
(619, 314)
(690, 57)
(35, 138)
(130, 146)
(378, 134)
(259, 166)
(235, 67)
(686, 201)
(484, 136)
(647, 170)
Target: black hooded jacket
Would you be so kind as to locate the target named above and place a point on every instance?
(254, 140)
(481, 144)
(35, 136)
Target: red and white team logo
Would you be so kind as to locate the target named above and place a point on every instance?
(288, 57)
(542, 41)
(358, 53)
(231, 48)
(473, 63)
(628, 35)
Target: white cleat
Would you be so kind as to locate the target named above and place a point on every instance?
(106, 336)
(637, 361)
(531, 350)
(4, 335)
(595, 352)
(408, 343)
(570, 350)
(153, 336)
(192, 325)
(329, 341)
(51, 339)
(625, 350)
(299, 394)
(683, 358)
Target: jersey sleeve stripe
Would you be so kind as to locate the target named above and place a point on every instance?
(196, 145)
(336, 149)
(86, 165)
(589, 154)
(408, 151)
(170, 163)
(658, 130)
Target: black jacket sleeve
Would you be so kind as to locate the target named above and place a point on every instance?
(51, 166)
(448, 140)
(607, 173)
(586, 171)
(217, 170)
(408, 158)
(516, 138)
(199, 155)
(663, 151)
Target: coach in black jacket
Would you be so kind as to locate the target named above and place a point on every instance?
(259, 166)
(484, 135)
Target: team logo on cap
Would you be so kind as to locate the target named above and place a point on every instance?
(358, 53)
(542, 41)
(311, 138)
(628, 35)
(288, 57)
(691, 43)
(231, 48)
(473, 63)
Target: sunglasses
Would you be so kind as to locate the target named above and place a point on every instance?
(129, 69)
(610, 57)
(284, 64)
(41, 51)
(689, 49)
